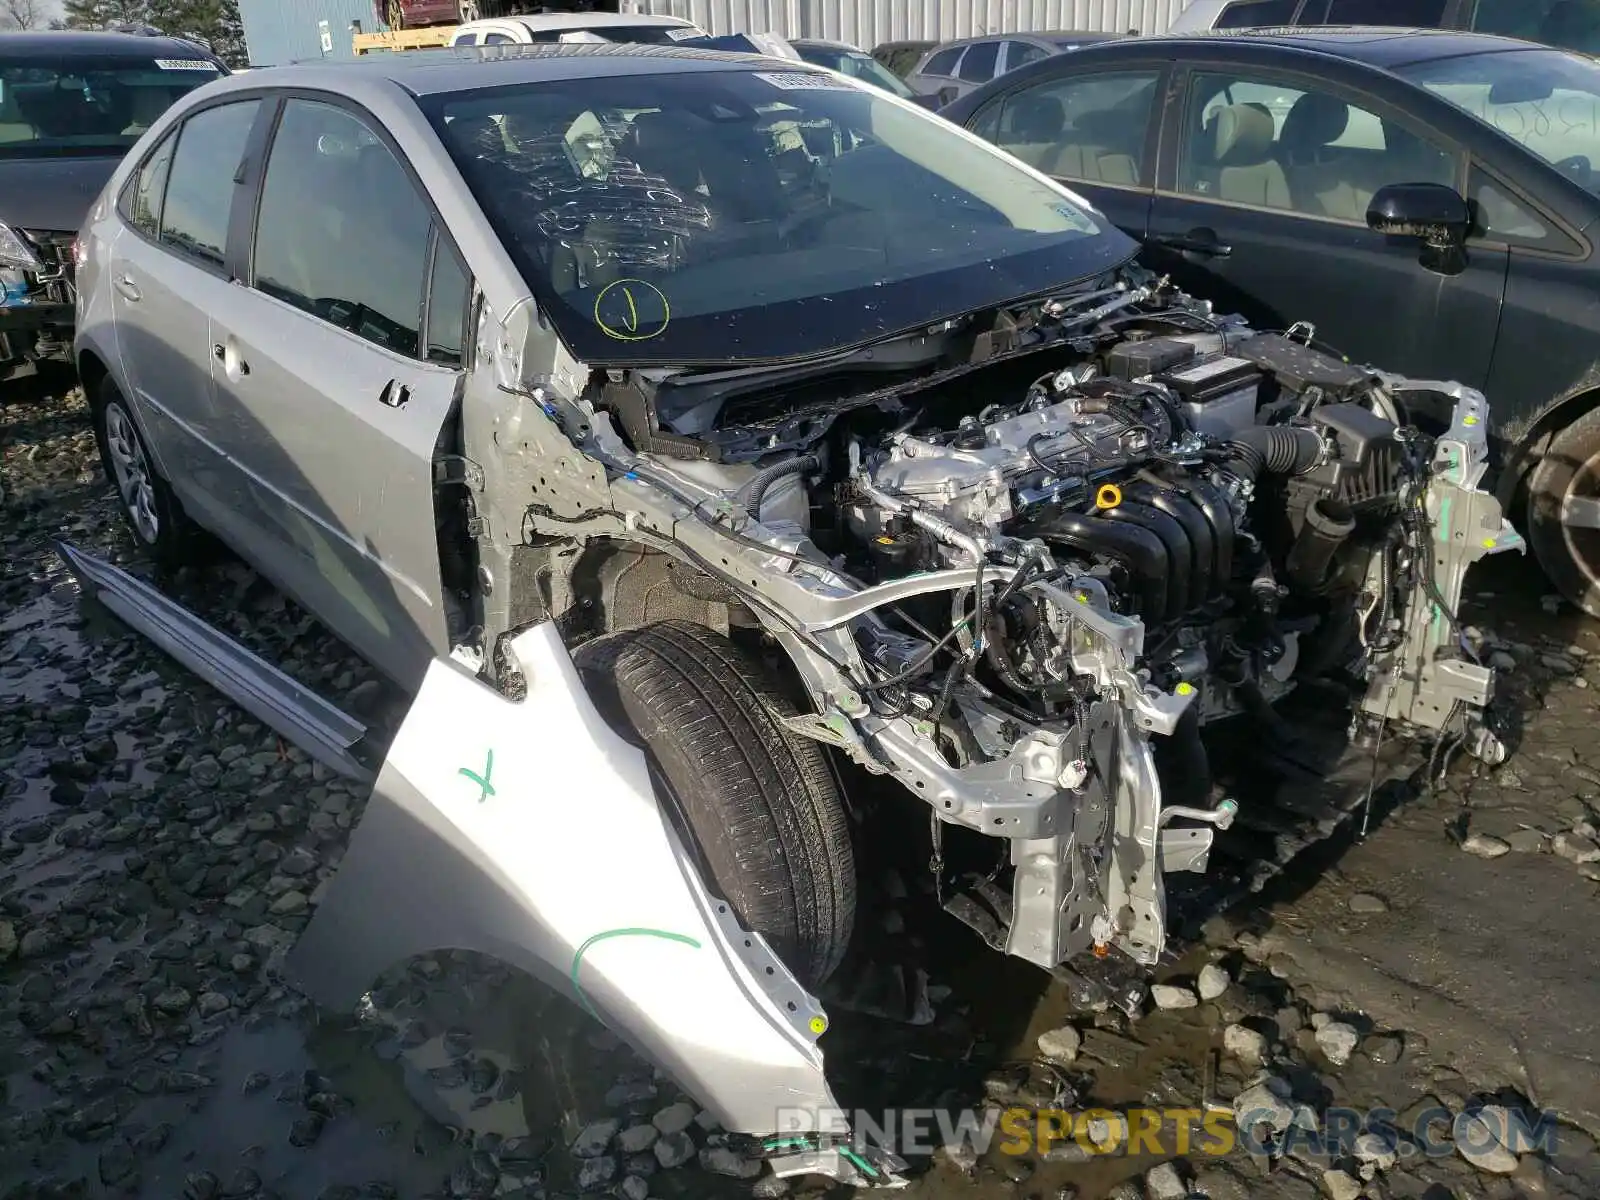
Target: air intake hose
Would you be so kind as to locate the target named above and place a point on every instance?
(754, 491)
(1280, 449)
(1327, 525)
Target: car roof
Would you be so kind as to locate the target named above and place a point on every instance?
(1378, 46)
(540, 22)
(47, 44)
(467, 68)
(1038, 35)
(826, 44)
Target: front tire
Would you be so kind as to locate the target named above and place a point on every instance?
(149, 508)
(760, 803)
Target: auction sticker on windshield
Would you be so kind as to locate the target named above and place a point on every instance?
(185, 64)
(795, 81)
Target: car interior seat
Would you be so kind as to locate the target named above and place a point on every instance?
(1243, 166)
(1322, 179)
(1036, 123)
(145, 107)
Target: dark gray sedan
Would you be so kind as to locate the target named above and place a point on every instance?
(1423, 199)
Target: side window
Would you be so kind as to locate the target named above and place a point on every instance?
(1249, 14)
(944, 62)
(141, 200)
(978, 64)
(1571, 26)
(1500, 215)
(342, 233)
(448, 290)
(1020, 54)
(1275, 145)
(1424, 14)
(200, 187)
(496, 39)
(1090, 128)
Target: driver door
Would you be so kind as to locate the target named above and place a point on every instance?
(1262, 209)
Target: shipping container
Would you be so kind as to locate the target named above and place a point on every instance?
(868, 23)
(277, 32)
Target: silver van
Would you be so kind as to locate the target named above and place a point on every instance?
(955, 68)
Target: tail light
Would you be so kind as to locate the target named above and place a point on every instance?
(80, 251)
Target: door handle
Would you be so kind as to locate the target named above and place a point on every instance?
(1203, 242)
(230, 359)
(126, 286)
(394, 395)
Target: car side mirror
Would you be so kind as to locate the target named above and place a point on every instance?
(1431, 211)
(947, 94)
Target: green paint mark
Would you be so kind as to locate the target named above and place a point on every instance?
(596, 939)
(859, 1162)
(485, 788)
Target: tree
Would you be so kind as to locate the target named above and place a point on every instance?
(214, 22)
(21, 14)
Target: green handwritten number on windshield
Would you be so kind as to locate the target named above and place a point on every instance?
(631, 310)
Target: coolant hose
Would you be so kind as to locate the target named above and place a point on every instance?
(1327, 525)
(754, 491)
(1280, 449)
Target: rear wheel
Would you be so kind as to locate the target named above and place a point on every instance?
(1564, 512)
(149, 507)
(758, 804)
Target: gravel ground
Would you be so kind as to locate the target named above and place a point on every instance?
(160, 850)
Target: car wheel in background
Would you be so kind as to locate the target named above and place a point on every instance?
(149, 507)
(757, 804)
(1564, 512)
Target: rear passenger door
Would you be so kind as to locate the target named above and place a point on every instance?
(1096, 131)
(1261, 207)
(339, 364)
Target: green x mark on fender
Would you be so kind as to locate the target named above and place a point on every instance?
(485, 787)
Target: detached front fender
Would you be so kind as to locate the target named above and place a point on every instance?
(530, 831)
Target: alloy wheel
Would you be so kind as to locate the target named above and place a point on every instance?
(133, 475)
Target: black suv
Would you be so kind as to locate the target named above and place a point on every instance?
(71, 105)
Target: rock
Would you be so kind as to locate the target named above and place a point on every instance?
(1576, 848)
(1061, 1045)
(297, 862)
(1212, 981)
(630, 1094)
(633, 1188)
(1263, 1105)
(595, 1137)
(962, 1155)
(1169, 996)
(1485, 846)
(596, 1174)
(119, 1167)
(674, 1149)
(1374, 1150)
(637, 1138)
(1245, 1044)
(174, 1001)
(290, 903)
(1527, 841)
(720, 1160)
(675, 1118)
(1016, 1168)
(1338, 1042)
(1164, 1183)
(1384, 1049)
(8, 940)
(212, 1003)
(1366, 904)
(305, 1131)
(1340, 1185)
(1480, 1138)
(770, 1187)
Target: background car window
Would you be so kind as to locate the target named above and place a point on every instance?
(978, 65)
(1249, 13)
(496, 39)
(1020, 54)
(69, 104)
(200, 187)
(1498, 214)
(1091, 128)
(944, 62)
(1570, 24)
(142, 202)
(1424, 14)
(1269, 145)
(447, 306)
(342, 233)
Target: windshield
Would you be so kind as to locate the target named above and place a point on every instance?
(1547, 100)
(858, 66)
(88, 106)
(648, 35)
(742, 215)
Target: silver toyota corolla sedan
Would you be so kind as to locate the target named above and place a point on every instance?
(683, 426)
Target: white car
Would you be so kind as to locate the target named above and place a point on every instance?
(565, 27)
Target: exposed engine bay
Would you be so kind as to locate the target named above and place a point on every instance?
(1008, 600)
